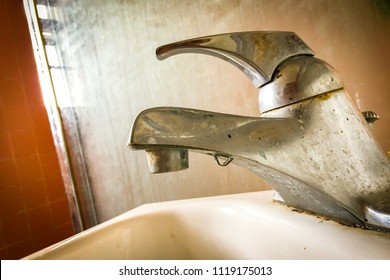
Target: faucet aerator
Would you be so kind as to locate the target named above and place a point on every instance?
(166, 160)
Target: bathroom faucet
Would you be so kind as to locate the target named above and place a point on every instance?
(310, 144)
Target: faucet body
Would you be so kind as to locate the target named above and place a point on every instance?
(310, 143)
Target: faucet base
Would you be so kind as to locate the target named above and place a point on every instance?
(299, 195)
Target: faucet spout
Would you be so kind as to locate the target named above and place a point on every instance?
(212, 133)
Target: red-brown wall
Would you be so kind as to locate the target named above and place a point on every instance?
(33, 208)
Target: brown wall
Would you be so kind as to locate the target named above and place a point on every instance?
(33, 207)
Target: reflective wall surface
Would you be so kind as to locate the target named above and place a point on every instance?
(103, 66)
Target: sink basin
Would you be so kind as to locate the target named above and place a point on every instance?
(240, 226)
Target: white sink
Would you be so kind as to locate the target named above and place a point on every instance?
(241, 226)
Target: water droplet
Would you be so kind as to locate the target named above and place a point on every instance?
(223, 160)
(262, 154)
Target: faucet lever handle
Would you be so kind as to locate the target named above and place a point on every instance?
(256, 54)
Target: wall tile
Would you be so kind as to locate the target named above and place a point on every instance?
(54, 188)
(17, 117)
(3, 254)
(34, 193)
(63, 231)
(10, 201)
(39, 218)
(8, 173)
(15, 228)
(58, 215)
(51, 171)
(2, 236)
(24, 248)
(3, 122)
(8, 59)
(12, 92)
(5, 146)
(42, 131)
(23, 142)
(28, 168)
(45, 238)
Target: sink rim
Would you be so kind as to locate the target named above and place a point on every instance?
(252, 213)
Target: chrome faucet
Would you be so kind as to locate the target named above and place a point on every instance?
(310, 143)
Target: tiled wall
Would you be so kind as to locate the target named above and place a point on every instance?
(33, 207)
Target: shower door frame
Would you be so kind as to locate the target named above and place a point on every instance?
(70, 155)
